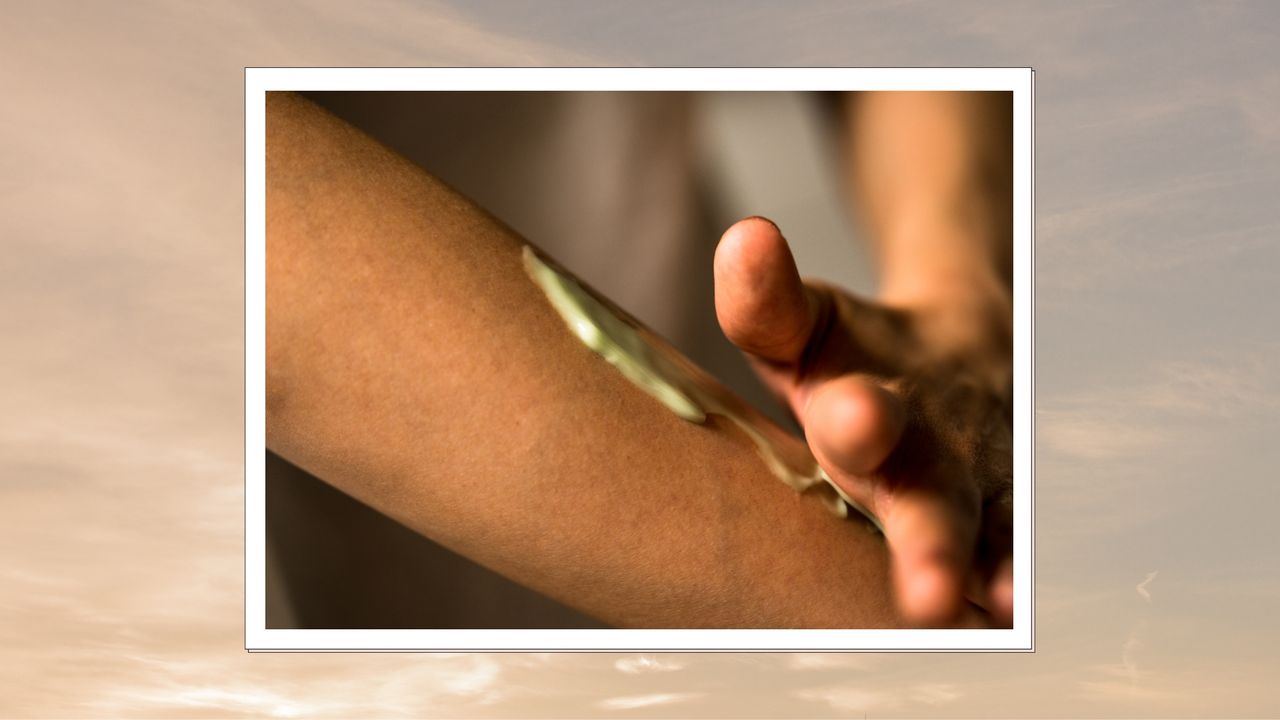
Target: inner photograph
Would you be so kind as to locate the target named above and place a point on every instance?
(660, 360)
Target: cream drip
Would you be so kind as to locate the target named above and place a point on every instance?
(658, 369)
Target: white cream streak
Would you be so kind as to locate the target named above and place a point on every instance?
(661, 371)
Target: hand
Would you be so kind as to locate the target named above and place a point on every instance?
(908, 409)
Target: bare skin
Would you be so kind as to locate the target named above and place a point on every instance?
(905, 400)
(413, 365)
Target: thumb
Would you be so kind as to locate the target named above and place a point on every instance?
(761, 302)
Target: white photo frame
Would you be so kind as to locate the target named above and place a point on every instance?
(259, 81)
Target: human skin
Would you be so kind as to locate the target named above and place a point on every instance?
(412, 364)
(905, 399)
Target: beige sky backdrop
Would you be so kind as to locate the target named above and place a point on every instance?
(1159, 361)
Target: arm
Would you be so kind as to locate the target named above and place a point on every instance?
(412, 364)
(933, 175)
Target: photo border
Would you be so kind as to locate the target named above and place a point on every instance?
(260, 80)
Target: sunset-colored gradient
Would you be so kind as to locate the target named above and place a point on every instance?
(1158, 376)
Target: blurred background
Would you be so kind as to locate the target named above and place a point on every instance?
(631, 191)
(122, 399)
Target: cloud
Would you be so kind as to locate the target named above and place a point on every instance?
(1142, 586)
(1128, 651)
(1126, 239)
(247, 700)
(1094, 433)
(935, 693)
(631, 702)
(295, 686)
(846, 698)
(1162, 406)
(645, 664)
(1112, 690)
(1221, 385)
(1125, 679)
(850, 699)
(127, 423)
(830, 661)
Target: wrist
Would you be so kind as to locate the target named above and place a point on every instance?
(935, 251)
(941, 271)
(961, 300)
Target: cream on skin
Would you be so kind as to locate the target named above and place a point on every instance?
(661, 371)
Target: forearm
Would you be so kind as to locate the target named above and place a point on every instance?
(933, 173)
(413, 364)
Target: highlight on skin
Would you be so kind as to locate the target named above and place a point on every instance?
(663, 373)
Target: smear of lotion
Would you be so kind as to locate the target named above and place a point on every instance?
(661, 371)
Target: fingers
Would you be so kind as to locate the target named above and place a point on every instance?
(852, 424)
(992, 581)
(761, 303)
(1001, 593)
(931, 539)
